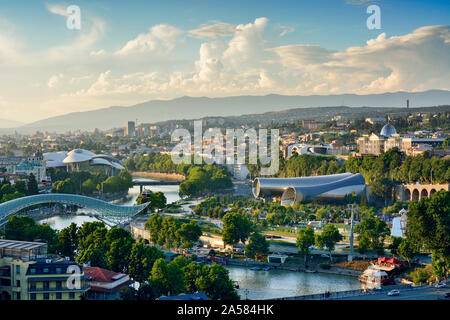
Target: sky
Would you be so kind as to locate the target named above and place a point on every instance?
(126, 52)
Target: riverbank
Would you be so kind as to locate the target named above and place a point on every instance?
(162, 176)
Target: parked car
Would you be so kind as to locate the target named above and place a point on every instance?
(447, 295)
(393, 293)
(440, 285)
(324, 256)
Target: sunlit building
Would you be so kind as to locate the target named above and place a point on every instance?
(83, 160)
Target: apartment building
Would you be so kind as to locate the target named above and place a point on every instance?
(28, 273)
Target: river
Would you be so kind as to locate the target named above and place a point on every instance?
(59, 222)
(253, 284)
(271, 284)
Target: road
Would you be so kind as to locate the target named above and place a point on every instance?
(423, 293)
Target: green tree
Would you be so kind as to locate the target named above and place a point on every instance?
(141, 261)
(189, 234)
(32, 185)
(257, 246)
(305, 239)
(68, 241)
(328, 238)
(374, 230)
(168, 277)
(428, 224)
(236, 227)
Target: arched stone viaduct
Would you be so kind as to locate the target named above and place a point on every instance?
(414, 192)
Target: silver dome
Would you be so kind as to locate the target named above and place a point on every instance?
(388, 130)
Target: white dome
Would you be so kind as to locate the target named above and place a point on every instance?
(55, 156)
(78, 155)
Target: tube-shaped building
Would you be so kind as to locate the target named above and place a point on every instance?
(305, 189)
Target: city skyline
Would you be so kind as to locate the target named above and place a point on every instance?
(126, 54)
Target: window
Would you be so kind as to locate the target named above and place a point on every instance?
(33, 286)
(17, 283)
(33, 270)
(17, 295)
(17, 269)
(71, 295)
(46, 285)
(32, 296)
(45, 270)
(58, 296)
(58, 285)
(46, 296)
(58, 270)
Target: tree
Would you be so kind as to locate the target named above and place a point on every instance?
(189, 234)
(88, 186)
(305, 239)
(94, 256)
(257, 246)
(428, 225)
(407, 250)
(141, 261)
(328, 238)
(168, 277)
(374, 231)
(395, 244)
(157, 200)
(119, 243)
(236, 227)
(32, 185)
(154, 225)
(68, 241)
(217, 284)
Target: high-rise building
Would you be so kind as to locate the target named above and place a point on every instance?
(130, 130)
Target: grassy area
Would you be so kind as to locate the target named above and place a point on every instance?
(282, 243)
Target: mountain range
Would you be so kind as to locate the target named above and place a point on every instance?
(5, 123)
(198, 107)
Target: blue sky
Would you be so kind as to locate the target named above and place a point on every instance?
(132, 51)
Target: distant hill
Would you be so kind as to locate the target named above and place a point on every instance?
(194, 108)
(5, 124)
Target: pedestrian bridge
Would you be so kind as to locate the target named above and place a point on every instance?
(107, 211)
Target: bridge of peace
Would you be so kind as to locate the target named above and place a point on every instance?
(415, 192)
(107, 211)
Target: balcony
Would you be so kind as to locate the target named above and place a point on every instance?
(62, 289)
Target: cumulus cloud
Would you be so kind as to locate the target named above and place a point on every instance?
(54, 80)
(160, 39)
(246, 65)
(230, 60)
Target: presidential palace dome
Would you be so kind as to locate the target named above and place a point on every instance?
(388, 130)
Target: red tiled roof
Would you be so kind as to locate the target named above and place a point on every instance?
(98, 274)
(115, 289)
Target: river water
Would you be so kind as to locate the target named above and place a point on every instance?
(272, 284)
(253, 284)
(62, 221)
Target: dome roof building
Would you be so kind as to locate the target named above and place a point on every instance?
(80, 159)
(388, 130)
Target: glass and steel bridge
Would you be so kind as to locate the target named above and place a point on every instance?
(107, 211)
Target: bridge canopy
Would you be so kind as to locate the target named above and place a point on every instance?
(106, 210)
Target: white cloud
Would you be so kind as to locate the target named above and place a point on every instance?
(215, 30)
(54, 80)
(231, 61)
(244, 65)
(160, 39)
(58, 10)
(285, 30)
